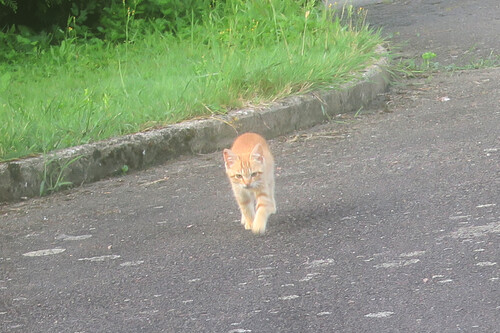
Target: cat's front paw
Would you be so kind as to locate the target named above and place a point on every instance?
(246, 223)
(258, 228)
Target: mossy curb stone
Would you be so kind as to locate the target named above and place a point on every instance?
(91, 162)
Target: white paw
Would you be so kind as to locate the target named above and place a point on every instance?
(259, 229)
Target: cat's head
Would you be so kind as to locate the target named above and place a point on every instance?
(245, 169)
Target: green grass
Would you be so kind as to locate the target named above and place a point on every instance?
(246, 52)
(424, 67)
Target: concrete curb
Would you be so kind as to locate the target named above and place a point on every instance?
(22, 179)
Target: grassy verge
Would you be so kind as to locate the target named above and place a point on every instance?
(244, 52)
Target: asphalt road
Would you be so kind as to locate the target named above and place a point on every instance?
(459, 32)
(386, 222)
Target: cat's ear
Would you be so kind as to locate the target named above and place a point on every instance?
(258, 153)
(229, 157)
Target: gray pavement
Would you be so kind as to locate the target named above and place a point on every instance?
(459, 32)
(387, 222)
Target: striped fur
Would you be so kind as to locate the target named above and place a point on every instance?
(250, 168)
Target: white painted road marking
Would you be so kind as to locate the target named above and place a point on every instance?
(475, 231)
(486, 205)
(412, 254)
(286, 298)
(73, 238)
(486, 264)
(395, 264)
(320, 263)
(323, 314)
(384, 314)
(132, 263)
(46, 252)
(101, 258)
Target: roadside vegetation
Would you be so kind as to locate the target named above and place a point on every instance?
(427, 65)
(134, 68)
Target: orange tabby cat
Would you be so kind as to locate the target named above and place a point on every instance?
(250, 168)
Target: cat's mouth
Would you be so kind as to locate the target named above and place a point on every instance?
(246, 186)
(251, 186)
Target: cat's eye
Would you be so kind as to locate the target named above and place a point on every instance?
(254, 174)
(238, 176)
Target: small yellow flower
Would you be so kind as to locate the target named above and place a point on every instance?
(307, 14)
